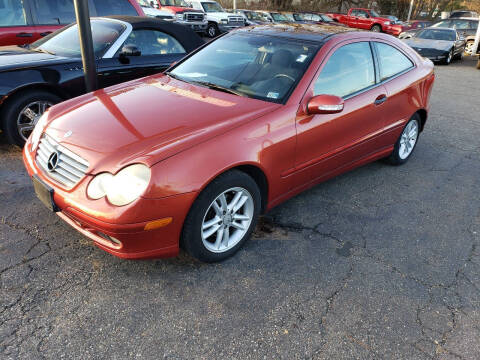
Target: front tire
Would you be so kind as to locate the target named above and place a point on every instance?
(22, 112)
(212, 30)
(406, 143)
(222, 218)
(449, 57)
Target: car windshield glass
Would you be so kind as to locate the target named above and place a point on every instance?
(66, 42)
(326, 18)
(298, 17)
(252, 15)
(373, 13)
(289, 17)
(211, 7)
(253, 65)
(278, 17)
(436, 34)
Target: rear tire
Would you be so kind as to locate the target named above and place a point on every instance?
(376, 28)
(16, 125)
(222, 218)
(406, 142)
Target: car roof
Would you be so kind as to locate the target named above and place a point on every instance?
(187, 37)
(310, 32)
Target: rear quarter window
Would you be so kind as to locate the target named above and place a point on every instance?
(392, 61)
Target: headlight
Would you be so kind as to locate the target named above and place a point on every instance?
(38, 130)
(123, 188)
(224, 21)
(179, 16)
(387, 23)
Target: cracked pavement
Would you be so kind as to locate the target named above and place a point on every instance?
(380, 263)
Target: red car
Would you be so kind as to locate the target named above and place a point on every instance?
(367, 19)
(193, 156)
(26, 21)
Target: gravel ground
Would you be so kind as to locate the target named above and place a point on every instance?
(380, 263)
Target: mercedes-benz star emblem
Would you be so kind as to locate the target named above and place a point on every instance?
(52, 161)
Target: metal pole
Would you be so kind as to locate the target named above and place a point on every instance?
(234, 4)
(86, 44)
(410, 10)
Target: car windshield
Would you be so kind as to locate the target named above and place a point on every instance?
(252, 15)
(180, 3)
(373, 13)
(211, 7)
(252, 65)
(289, 17)
(326, 18)
(66, 42)
(298, 17)
(436, 34)
(279, 17)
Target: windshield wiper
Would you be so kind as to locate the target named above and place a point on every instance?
(218, 87)
(173, 76)
(43, 51)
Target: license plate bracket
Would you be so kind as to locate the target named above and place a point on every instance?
(44, 194)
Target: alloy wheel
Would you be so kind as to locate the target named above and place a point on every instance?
(29, 116)
(469, 48)
(227, 220)
(408, 139)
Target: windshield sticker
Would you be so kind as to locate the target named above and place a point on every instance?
(273, 95)
(302, 58)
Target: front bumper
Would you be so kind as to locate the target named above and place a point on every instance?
(195, 26)
(394, 30)
(120, 231)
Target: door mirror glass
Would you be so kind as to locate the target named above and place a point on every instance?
(325, 104)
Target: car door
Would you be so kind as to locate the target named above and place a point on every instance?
(156, 52)
(16, 26)
(395, 72)
(352, 18)
(327, 142)
(363, 20)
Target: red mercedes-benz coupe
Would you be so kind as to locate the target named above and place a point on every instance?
(191, 158)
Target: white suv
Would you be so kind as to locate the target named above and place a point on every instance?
(218, 19)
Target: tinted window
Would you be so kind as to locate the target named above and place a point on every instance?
(461, 24)
(446, 23)
(473, 25)
(53, 11)
(437, 34)
(66, 43)
(114, 7)
(258, 66)
(152, 42)
(12, 13)
(392, 61)
(348, 70)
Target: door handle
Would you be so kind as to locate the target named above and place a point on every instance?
(380, 100)
(45, 33)
(24, 35)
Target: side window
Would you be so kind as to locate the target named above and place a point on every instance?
(12, 13)
(460, 24)
(348, 70)
(153, 42)
(392, 61)
(354, 13)
(53, 11)
(446, 23)
(114, 7)
(474, 25)
(362, 14)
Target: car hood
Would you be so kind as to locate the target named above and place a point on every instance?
(146, 121)
(429, 44)
(179, 9)
(17, 56)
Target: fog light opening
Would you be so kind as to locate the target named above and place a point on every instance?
(109, 238)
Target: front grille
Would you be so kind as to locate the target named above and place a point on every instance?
(235, 21)
(193, 17)
(59, 163)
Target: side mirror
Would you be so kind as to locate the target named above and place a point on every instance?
(325, 104)
(130, 50)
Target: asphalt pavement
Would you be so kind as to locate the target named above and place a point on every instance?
(379, 263)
